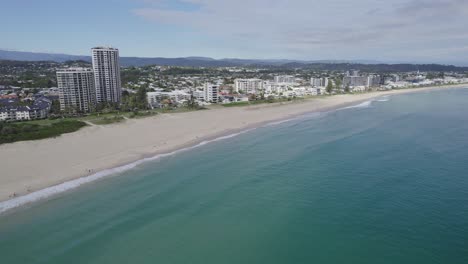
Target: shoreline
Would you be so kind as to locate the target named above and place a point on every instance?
(71, 160)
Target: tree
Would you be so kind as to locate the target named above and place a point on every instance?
(55, 107)
(338, 83)
(141, 100)
(192, 103)
(347, 90)
(329, 87)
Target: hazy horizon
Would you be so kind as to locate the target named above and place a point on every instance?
(415, 31)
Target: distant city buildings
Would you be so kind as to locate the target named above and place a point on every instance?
(76, 89)
(106, 68)
(285, 79)
(84, 90)
(352, 73)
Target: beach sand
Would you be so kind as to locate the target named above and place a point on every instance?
(30, 166)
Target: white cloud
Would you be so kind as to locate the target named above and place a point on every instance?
(308, 28)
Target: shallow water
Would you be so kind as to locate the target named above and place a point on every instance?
(385, 182)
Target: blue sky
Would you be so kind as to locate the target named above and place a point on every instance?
(382, 30)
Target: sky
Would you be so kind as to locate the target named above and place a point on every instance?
(426, 31)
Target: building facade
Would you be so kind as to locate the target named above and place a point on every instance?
(373, 80)
(319, 82)
(355, 81)
(285, 79)
(76, 89)
(13, 111)
(106, 67)
(156, 98)
(211, 93)
(248, 86)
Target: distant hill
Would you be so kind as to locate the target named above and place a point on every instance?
(137, 61)
(33, 56)
(364, 65)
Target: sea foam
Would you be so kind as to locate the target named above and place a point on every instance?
(365, 104)
(73, 184)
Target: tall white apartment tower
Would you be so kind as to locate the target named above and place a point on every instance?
(106, 68)
(76, 89)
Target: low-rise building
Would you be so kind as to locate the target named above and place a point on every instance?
(155, 99)
(12, 110)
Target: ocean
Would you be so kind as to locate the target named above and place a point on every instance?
(382, 182)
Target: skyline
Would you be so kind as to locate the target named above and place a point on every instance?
(414, 31)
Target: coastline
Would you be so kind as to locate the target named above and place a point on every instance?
(66, 162)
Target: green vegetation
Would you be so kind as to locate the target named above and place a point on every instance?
(235, 104)
(141, 114)
(134, 101)
(106, 120)
(12, 132)
(330, 87)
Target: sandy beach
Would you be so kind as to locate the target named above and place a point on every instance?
(30, 166)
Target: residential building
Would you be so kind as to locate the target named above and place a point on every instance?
(199, 95)
(106, 68)
(248, 86)
(373, 80)
(352, 73)
(354, 81)
(319, 82)
(285, 79)
(276, 88)
(211, 93)
(76, 89)
(11, 110)
(156, 98)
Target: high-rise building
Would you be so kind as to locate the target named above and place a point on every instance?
(76, 89)
(319, 82)
(373, 80)
(355, 81)
(352, 73)
(248, 86)
(211, 93)
(106, 68)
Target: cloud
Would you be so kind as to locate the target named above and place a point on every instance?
(302, 27)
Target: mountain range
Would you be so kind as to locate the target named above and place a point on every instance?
(341, 65)
(183, 62)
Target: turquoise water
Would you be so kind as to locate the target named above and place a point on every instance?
(386, 182)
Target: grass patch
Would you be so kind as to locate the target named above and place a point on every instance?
(106, 120)
(142, 114)
(236, 104)
(13, 132)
